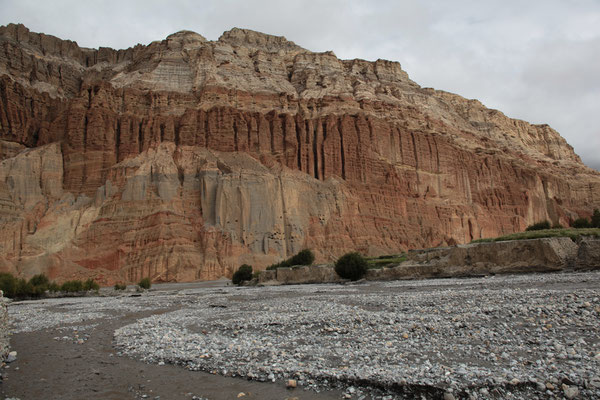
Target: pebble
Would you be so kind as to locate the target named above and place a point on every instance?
(12, 356)
(291, 384)
(570, 391)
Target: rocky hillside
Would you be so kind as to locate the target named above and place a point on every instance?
(185, 158)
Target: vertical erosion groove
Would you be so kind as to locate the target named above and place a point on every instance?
(315, 152)
(140, 139)
(400, 145)
(324, 125)
(177, 127)
(286, 233)
(282, 121)
(235, 135)
(341, 134)
(272, 135)
(249, 128)
(4, 98)
(298, 146)
(412, 135)
(206, 128)
(85, 133)
(118, 140)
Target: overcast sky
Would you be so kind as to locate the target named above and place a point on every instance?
(537, 60)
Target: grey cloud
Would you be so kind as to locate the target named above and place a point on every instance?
(534, 60)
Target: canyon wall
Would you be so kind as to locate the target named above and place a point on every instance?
(183, 159)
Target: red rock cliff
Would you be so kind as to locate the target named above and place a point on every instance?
(185, 158)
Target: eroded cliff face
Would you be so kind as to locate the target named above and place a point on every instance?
(185, 158)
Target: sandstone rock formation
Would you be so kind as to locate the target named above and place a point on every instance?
(183, 159)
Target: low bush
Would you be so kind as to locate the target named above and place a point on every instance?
(40, 280)
(53, 287)
(120, 286)
(351, 266)
(38, 285)
(539, 226)
(72, 286)
(145, 283)
(581, 223)
(8, 284)
(304, 257)
(20, 288)
(595, 219)
(90, 284)
(244, 273)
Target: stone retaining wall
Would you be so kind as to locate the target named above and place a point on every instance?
(4, 332)
(518, 256)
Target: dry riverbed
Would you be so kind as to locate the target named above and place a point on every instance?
(521, 336)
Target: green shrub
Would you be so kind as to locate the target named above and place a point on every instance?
(596, 219)
(351, 266)
(557, 226)
(26, 289)
(72, 286)
(90, 284)
(8, 284)
(304, 257)
(244, 273)
(53, 287)
(581, 223)
(145, 283)
(40, 280)
(120, 286)
(538, 226)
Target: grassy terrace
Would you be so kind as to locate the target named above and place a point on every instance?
(384, 261)
(546, 233)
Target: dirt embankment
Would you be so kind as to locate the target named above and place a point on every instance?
(477, 259)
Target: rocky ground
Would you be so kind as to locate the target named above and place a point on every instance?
(523, 336)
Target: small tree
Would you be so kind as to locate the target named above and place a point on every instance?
(580, 223)
(90, 284)
(304, 257)
(120, 286)
(40, 280)
(244, 273)
(8, 284)
(72, 286)
(538, 226)
(596, 218)
(351, 266)
(145, 283)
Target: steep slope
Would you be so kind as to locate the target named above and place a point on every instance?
(182, 159)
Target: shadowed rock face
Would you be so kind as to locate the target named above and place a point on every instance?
(185, 158)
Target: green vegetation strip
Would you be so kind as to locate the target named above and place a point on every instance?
(383, 261)
(546, 233)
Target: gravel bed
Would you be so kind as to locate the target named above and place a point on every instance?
(502, 337)
(34, 315)
(523, 336)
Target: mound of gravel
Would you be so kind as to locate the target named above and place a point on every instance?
(505, 337)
